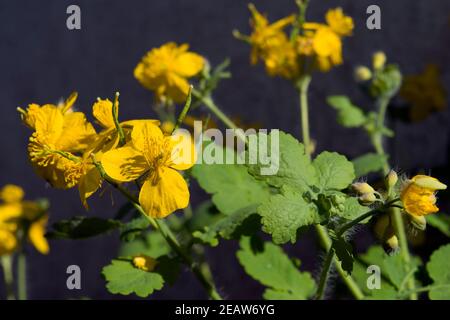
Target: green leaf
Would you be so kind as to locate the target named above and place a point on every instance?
(361, 276)
(273, 268)
(392, 266)
(232, 187)
(151, 244)
(231, 226)
(283, 214)
(344, 253)
(295, 168)
(370, 162)
(334, 171)
(81, 227)
(123, 278)
(352, 210)
(439, 271)
(349, 115)
(206, 214)
(441, 222)
(134, 228)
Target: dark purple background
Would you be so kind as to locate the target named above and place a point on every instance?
(41, 61)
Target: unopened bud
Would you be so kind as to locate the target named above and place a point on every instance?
(418, 222)
(362, 187)
(362, 74)
(378, 60)
(367, 199)
(391, 179)
(391, 244)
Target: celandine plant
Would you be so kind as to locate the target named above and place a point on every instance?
(258, 180)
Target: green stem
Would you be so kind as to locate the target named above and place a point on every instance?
(8, 276)
(349, 281)
(304, 112)
(115, 112)
(425, 289)
(168, 236)
(209, 103)
(22, 275)
(377, 141)
(185, 110)
(324, 275)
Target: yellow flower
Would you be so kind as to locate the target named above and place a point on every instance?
(327, 46)
(339, 22)
(8, 242)
(159, 157)
(13, 212)
(425, 92)
(418, 195)
(144, 263)
(270, 44)
(165, 71)
(59, 133)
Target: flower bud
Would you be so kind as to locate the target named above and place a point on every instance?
(367, 199)
(362, 74)
(418, 222)
(362, 187)
(391, 179)
(391, 244)
(378, 60)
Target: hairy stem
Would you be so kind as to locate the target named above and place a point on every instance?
(324, 275)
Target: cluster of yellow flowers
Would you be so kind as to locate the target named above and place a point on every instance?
(310, 45)
(19, 220)
(66, 151)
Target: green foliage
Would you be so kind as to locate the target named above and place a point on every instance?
(344, 252)
(387, 82)
(283, 214)
(440, 222)
(349, 115)
(393, 272)
(333, 170)
(295, 168)
(370, 162)
(352, 209)
(81, 227)
(232, 187)
(123, 278)
(135, 227)
(151, 244)
(268, 264)
(439, 271)
(230, 226)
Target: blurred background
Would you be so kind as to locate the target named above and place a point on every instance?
(41, 61)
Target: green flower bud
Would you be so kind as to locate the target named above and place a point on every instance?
(378, 60)
(362, 187)
(367, 199)
(391, 179)
(362, 74)
(418, 222)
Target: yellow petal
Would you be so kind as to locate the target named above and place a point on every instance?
(49, 124)
(102, 111)
(36, 235)
(167, 195)
(78, 133)
(144, 133)
(10, 212)
(124, 164)
(89, 184)
(11, 193)
(183, 155)
(188, 64)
